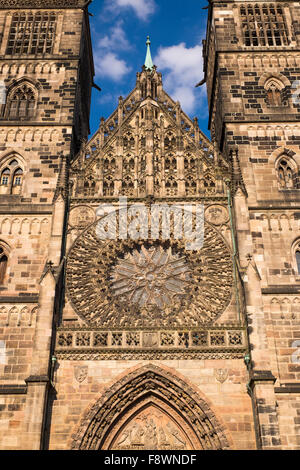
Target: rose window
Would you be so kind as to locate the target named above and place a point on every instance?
(152, 276)
(145, 284)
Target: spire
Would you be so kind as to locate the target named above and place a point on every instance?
(148, 61)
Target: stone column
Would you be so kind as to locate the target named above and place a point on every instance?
(261, 389)
(38, 382)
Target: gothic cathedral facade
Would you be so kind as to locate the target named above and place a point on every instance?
(117, 331)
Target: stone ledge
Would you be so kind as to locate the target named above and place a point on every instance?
(288, 388)
(149, 354)
(13, 389)
(257, 376)
(288, 289)
(37, 379)
(21, 209)
(22, 299)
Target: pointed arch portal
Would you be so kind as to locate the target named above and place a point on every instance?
(150, 409)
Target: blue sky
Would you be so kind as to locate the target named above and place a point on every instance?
(119, 31)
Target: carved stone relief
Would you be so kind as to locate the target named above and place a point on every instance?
(81, 216)
(152, 429)
(80, 373)
(216, 214)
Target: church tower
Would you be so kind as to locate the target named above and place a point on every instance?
(46, 74)
(252, 73)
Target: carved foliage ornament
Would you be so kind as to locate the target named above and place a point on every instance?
(137, 283)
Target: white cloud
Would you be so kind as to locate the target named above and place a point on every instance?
(115, 40)
(142, 8)
(183, 69)
(110, 66)
(107, 62)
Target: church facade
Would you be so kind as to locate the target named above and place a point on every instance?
(150, 277)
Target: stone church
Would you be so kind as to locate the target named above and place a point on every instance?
(142, 342)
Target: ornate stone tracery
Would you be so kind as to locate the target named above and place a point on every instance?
(147, 147)
(94, 270)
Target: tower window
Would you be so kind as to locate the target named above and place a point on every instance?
(285, 174)
(264, 25)
(31, 33)
(296, 256)
(298, 259)
(21, 102)
(5, 177)
(11, 178)
(3, 265)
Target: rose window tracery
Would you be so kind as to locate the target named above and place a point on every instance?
(149, 283)
(152, 276)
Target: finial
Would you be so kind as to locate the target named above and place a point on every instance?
(148, 61)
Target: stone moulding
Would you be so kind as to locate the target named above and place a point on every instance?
(143, 355)
(7, 4)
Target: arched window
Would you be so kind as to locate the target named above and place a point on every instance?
(17, 181)
(3, 264)
(297, 254)
(285, 172)
(11, 178)
(5, 177)
(21, 102)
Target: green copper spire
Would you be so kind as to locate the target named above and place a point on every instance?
(148, 61)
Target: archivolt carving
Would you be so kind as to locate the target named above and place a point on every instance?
(203, 293)
(150, 409)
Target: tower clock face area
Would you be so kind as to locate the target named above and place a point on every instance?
(148, 283)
